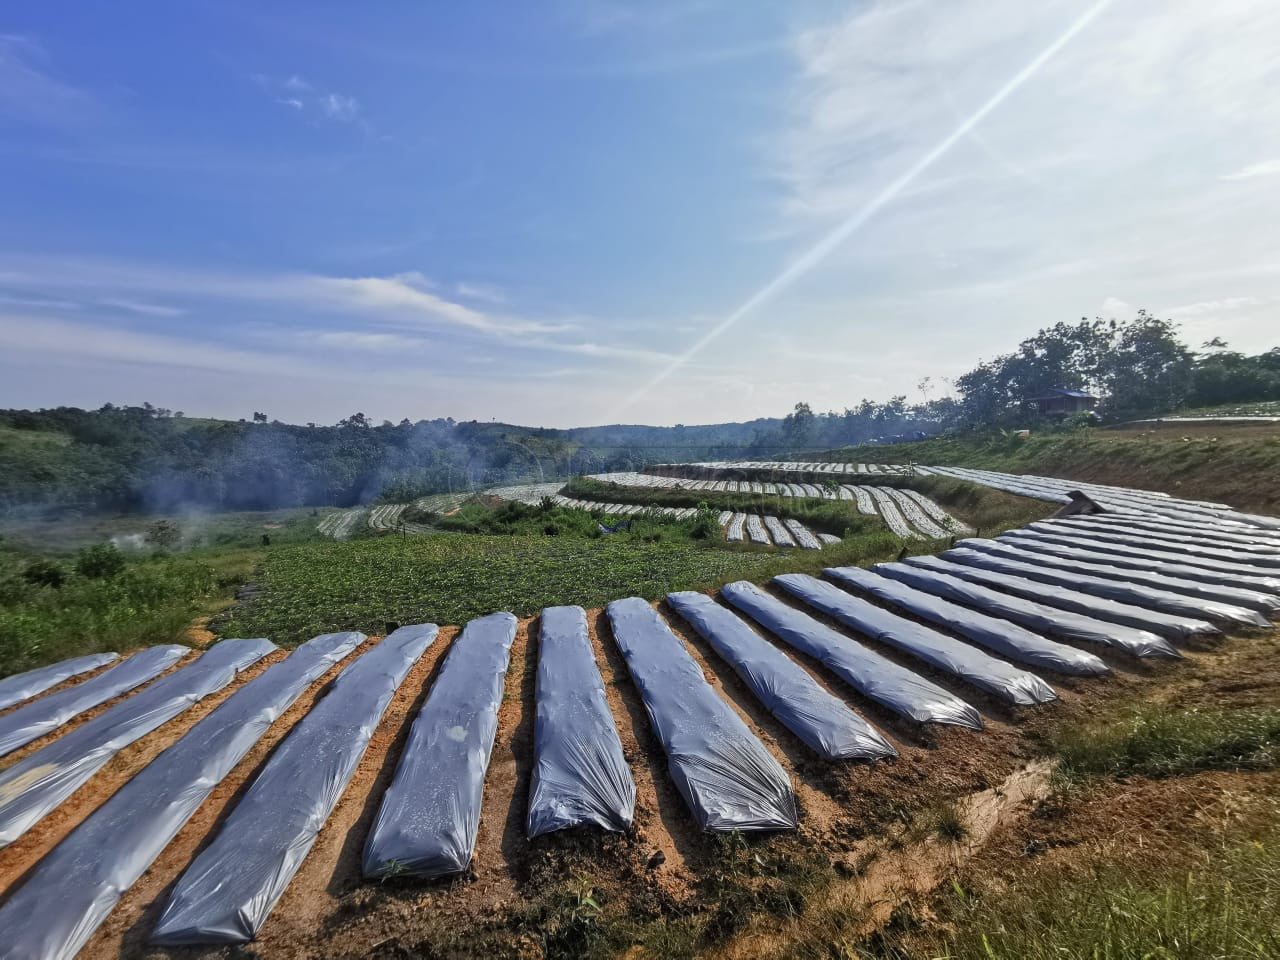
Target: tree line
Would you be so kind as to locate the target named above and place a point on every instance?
(148, 458)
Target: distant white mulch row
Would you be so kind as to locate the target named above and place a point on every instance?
(908, 513)
(341, 524)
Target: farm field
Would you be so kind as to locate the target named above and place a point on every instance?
(450, 578)
(949, 702)
(907, 514)
(1234, 465)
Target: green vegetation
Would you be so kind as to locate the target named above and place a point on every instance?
(52, 609)
(1211, 900)
(510, 518)
(450, 578)
(1159, 741)
(839, 517)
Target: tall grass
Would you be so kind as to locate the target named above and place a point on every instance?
(1216, 901)
(150, 601)
(1161, 741)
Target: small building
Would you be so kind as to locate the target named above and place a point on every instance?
(1060, 402)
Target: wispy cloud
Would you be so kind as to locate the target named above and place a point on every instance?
(31, 90)
(301, 96)
(337, 106)
(1266, 168)
(144, 309)
(480, 291)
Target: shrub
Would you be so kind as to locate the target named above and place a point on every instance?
(44, 573)
(99, 561)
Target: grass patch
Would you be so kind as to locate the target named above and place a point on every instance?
(1216, 900)
(1160, 741)
(451, 578)
(50, 610)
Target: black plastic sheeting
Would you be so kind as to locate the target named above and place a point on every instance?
(889, 684)
(1005, 638)
(1162, 576)
(231, 887)
(76, 886)
(1171, 565)
(825, 724)
(727, 778)
(1249, 555)
(1143, 547)
(1166, 625)
(37, 783)
(935, 576)
(49, 713)
(427, 824)
(1002, 680)
(24, 686)
(579, 774)
(994, 555)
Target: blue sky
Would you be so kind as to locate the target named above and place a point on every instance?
(581, 212)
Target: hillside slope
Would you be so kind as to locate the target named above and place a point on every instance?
(1239, 468)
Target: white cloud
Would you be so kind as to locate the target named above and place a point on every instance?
(145, 309)
(1267, 168)
(301, 96)
(1214, 306)
(339, 107)
(30, 89)
(480, 291)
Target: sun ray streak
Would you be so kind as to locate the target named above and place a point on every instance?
(825, 246)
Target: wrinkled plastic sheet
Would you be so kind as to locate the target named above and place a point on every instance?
(1148, 573)
(781, 535)
(803, 536)
(893, 517)
(1005, 638)
(995, 555)
(76, 886)
(231, 887)
(1255, 562)
(1166, 625)
(1001, 680)
(24, 686)
(1243, 547)
(579, 774)
(865, 504)
(37, 783)
(725, 775)
(427, 823)
(755, 530)
(734, 531)
(916, 515)
(935, 576)
(889, 684)
(824, 723)
(1173, 565)
(1228, 533)
(47, 714)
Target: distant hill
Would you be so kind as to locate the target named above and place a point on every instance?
(151, 459)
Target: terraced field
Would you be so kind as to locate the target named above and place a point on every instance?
(242, 793)
(909, 514)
